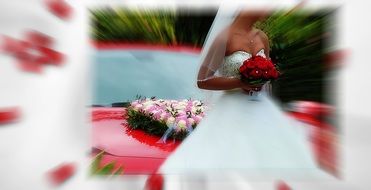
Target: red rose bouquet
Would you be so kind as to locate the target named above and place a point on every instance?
(258, 70)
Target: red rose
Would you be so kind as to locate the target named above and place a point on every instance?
(266, 74)
(273, 73)
(250, 64)
(276, 74)
(258, 58)
(243, 68)
(264, 65)
(258, 67)
(256, 73)
(246, 74)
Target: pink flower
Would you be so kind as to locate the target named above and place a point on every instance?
(150, 108)
(157, 115)
(164, 116)
(134, 103)
(191, 121)
(197, 118)
(181, 117)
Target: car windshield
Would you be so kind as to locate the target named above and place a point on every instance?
(122, 75)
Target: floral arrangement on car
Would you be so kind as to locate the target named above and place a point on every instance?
(166, 118)
(258, 70)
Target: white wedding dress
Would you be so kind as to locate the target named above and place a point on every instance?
(245, 144)
(241, 134)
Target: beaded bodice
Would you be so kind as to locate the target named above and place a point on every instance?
(233, 62)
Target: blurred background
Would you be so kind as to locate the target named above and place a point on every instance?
(299, 42)
(147, 52)
(176, 26)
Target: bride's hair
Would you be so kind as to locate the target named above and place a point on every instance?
(253, 15)
(213, 50)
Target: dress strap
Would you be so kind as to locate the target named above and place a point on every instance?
(261, 53)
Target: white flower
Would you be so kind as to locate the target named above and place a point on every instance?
(180, 107)
(134, 103)
(138, 107)
(183, 103)
(182, 124)
(170, 121)
(196, 102)
(194, 110)
(148, 107)
(148, 102)
(201, 108)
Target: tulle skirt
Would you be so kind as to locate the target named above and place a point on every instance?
(242, 133)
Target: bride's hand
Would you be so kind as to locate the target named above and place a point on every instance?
(249, 88)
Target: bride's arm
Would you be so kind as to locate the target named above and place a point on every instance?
(220, 83)
(212, 82)
(207, 80)
(224, 83)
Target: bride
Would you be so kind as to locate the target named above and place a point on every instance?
(243, 131)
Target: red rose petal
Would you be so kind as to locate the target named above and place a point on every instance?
(30, 66)
(155, 182)
(61, 173)
(8, 115)
(335, 59)
(14, 46)
(281, 185)
(59, 8)
(38, 38)
(51, 56)
(9, 45)
(33, 53)
(27, 62)
(24, 55)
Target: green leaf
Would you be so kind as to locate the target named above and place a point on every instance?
(96, 162)
(119, 171)
(107, 169)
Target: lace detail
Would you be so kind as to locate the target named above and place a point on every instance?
(233, 62)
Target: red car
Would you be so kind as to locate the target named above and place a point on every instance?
(141, 153)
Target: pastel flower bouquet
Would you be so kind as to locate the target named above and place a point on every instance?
(166, 118)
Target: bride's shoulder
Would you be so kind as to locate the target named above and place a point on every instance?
(223, 35)
(262, 34)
